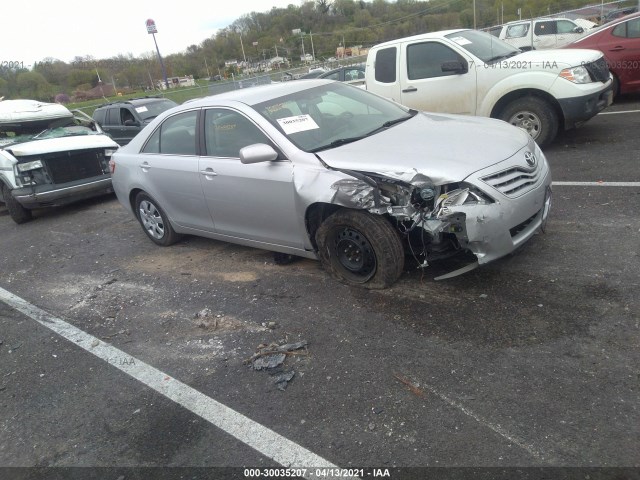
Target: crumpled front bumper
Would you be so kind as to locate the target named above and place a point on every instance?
(57, 195)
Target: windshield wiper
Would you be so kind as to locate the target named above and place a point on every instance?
(502, 57)
(338, 142)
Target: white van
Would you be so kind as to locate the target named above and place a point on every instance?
(474, 73)
(542, 33)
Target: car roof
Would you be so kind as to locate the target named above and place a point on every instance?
(440, 34)
(257, 94)
(135, 101)
(543, 19)
(342, 67)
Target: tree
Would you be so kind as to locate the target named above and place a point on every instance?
(33, 85)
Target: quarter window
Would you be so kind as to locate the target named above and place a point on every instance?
(385, 66)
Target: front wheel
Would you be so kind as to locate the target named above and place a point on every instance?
(154, 221)
(534, 115)
(18, 213)
(360, 249)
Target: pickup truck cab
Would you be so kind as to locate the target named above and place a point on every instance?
(473, 73)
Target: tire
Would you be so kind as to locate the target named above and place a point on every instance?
(18, 213)
(534, 115)
(154, 221)
(616, 87)
(360, 249)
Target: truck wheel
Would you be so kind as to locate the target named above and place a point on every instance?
(18, 213)
(154, 221)
(534, 115)
(360, 249)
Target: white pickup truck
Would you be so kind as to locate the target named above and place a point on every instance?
(473, 73)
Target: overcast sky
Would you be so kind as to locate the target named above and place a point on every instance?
(36, 29)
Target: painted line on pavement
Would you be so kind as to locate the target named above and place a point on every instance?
(597, 184)
(257, 436)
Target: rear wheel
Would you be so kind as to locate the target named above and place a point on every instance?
(154, 221)
(360, 249)
(18, 213)
(534, 115)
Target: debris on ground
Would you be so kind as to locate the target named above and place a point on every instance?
(413, 386)
(272, 356)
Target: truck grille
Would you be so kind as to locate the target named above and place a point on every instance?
(70, 166)
(599, 70)
(514, 181)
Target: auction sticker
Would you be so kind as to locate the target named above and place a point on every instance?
(297, 123)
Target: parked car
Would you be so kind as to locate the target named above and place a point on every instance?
(323, 170)
(473, 73)
(50, 157)
(541, 33)
(123, 120)
(313, 73)
(353, 74)
(619, 41)
(618, 13)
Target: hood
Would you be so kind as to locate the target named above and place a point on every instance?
(568, 57)
(61, 144)
(445, 148)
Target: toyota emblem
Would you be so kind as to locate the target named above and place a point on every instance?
(530, 158)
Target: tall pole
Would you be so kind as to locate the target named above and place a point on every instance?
(304, 57)
(313, 52)
(474, 14)
(164, 72)
(242, 46)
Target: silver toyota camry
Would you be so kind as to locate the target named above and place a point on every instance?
(328, 171)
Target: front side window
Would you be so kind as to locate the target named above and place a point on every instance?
(424, 60)
(227, 131)
(176, 136)
(565, 26)
(630, 29)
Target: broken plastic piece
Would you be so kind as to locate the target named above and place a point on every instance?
(282, 380)
(460, 271)
(269, 361)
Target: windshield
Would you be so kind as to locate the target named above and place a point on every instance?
(331, 115)
(483, 45)
(153, 109)
(20, 133)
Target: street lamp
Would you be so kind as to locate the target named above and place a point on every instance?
(151, 28)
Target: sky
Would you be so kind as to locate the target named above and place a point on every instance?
(33, 30)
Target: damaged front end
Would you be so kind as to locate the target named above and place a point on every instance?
(432, 219)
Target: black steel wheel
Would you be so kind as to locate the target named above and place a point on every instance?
(18, 213)
(359, 248)
(154, 221)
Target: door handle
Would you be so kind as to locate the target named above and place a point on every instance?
(409, 90)
(145, 166)
(208, 172)
(616, 48)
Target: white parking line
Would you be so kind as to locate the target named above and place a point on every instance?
(257, 436)
(597, 184)
(621, 111)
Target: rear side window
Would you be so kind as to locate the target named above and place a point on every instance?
(424, 60)
(113, 116)
(385, 66)
(545, 28)
(176, 136)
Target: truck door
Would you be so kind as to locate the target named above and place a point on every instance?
(438, 78)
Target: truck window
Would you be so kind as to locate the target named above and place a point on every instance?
(517, 31)
(113, 116)
(565, 26)
(545, 28)
(424, 60)
(385, 66)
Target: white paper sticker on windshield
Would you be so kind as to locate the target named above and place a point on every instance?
(141, 109)
(461, 41)
(297, 123)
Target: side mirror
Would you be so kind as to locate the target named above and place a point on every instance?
(455, 67)
(578, 30)
(258, 153)
(131, 123)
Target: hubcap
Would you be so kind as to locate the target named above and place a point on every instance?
(354, 252)
(151, 219)
(528, 121)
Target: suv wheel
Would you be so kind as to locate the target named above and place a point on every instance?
(18, 213)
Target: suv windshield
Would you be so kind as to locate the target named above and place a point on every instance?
(155, 108)
(331, 115)
(13, 134)
(486, 47)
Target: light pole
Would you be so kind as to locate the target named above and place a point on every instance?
(297, 31)
(151, 28)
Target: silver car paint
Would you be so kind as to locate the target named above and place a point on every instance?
(271, 214)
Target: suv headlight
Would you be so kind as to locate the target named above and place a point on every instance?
(576, 75)
(25, 167)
